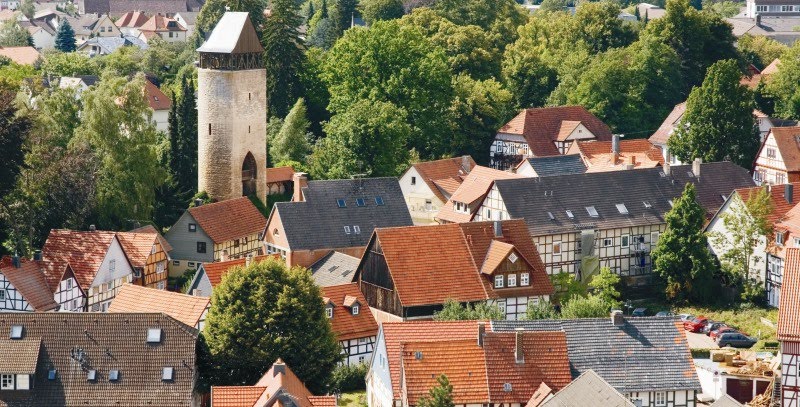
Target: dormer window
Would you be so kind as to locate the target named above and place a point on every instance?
(91, 376)
(355, 310)
(378, 201)
(154, 335)
(329, 312)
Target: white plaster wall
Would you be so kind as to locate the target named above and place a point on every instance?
(416, 195)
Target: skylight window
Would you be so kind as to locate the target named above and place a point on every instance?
(360, 202)
(113, 375)
(690, 174)
(378, 201)
(592, 211)
(550, 215)
(16, 331)
(357, 229)
(341, 203)
(570, 215)
(167, 374)
(506, 386)
(347, 230)
(91, 375)
(154, 335)
(51, 374)
(622, 209)
(647, 204)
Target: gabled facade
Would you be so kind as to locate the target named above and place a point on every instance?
(23, 287)
(217, 231)
(410, 272)
(541, 132)
(789, 330)
(106, 359)
(160, 105)
(465, 201)
(148, 253)
(130, 22)
(428, 185)
(166, 28)
(778, 160)
(92, 25)
(608, 219)
(333, 215)
(351, 321)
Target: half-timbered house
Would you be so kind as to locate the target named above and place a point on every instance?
(333, 215)
(97, 268)
(464, 202)
(351, 320)
(23, 287)
(789, 330)
(410, 272)
(778, 159)
(609, 219)
(148, 253)
(217, 231)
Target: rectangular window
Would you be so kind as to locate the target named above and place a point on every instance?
(2, 295)
(608, 242)
(192, 227)
(236, 243)
(190, 264)
(357, 229)
(524, 279)
(176, 262)
(329, 312)
(413, 180)
(512, 280)
(170, 34)
(378, 201)
(209, 129)
(556, 248)
(23, 382)
(779, 238)
(654, 238)
(661, 398)
(498, 281)
(161, 285)
(109, 286)
(360, 202)
(592, 211)
(624, 241)
(780, 178)
(112, 264)
(770, 153)
(347, 230)
(201, 247)
(341, 203)
(7, 382)
(356, 309)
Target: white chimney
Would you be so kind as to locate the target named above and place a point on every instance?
(696, 166)
(617, 319)
(666, 168)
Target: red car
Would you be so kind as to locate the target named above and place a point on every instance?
(696, 324)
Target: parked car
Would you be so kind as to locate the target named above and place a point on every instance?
(639, 312)
(665, 314)
(712, 326)
(696, 324)
(686, 317)
(736, 340)
(717, 332)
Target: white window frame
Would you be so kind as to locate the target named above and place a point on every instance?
(499, 282)
(6, 382)
(524, 279)
(512, 280)
(608, 242)
(625, 240)
(329, 312)
(356, 309)
(660, 398)
(112, 265)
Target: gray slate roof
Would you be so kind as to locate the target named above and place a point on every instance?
(110, 44)
(318, 222)
(557, 165)
(525, 197)
(588, 390)
(334, 269)
(644, 354)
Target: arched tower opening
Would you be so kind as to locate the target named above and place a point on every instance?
(249, 175)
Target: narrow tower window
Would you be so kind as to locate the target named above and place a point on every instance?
(209, 129)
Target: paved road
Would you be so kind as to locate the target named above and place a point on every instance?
(700, 341)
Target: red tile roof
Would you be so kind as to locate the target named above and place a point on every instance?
(216, 270)
(235, 396)
(21, 55)
(474, 187)
(29, 280)
(789, 307)
(323, 401)
(82, 251)
(280, 376)
(160, 23)
(279, 174)
(598, 156)
(344, 323)
(545, 360)
(788, 143)
(397, 333)
(542, 126)
(445, 174)
(665, 130)
(155, 97)
(131, 19)
(151, 229)
(780, 206)
(185, 308)
(462, 361)
(137, 246)
(228, 220)
(772, 68)
(447, 261)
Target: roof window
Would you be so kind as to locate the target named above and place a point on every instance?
(647, 204)
(357, 229)
(167, 374)
(91, 376)
(341, 203)
(154, 335)
(570, 215)
(550, 215)
(16, 331)
(347, 230)
(378, 201)
(360, 202)
(506, 387)
(592, 211)
(113, 375)
(690, 174)
(622, 209)
(51, 374)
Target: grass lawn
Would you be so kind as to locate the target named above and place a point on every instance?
(354, 399)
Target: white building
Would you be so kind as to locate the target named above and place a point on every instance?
(428, 185)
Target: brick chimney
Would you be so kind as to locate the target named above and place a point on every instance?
(615, 148)
(300, 181)
(481, 333)
(519, 356)
(617, 319)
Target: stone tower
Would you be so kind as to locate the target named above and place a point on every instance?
(232, 111)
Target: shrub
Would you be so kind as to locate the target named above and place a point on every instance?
(542, 310)
(348, 378)
(585, 307)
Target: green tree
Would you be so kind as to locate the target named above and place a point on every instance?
(500, 18)
(606, 286)
(455, 311)
(116, 126)
(376, 10)
(263, 312)
(592, 306)
(65, 37)
(394, 63)
(784, 85)
(59, 64)
(440, 395)
(343, 13)
(213, 10)
(542, 310)
(598, 25)
(567, 286)
(369, 138)
(14, 129)
(291, 142)
(27, 8)
(718, 123)
(283, 56)
(760, 50)
(14, 35)
(747, 228)
(682, 258)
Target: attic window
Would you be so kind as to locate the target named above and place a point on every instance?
(329, 312)
(550, 215)
(356, 308)
(592, 211)
(570, 215)
(341, 203)
(113, 375)
(155, 98)
(378, 201)
(16, 331)
(506, 387)
(347, 230)
(690, 174)
(154, 335)
(91, 376)
(167, 374)
(51, 374)
(513, 258)
(622, 209)
(360, 202)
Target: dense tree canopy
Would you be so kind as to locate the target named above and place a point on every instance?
(784, 86)
(14, 35)
(377, 10)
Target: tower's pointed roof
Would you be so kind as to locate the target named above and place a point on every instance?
(233, 34)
